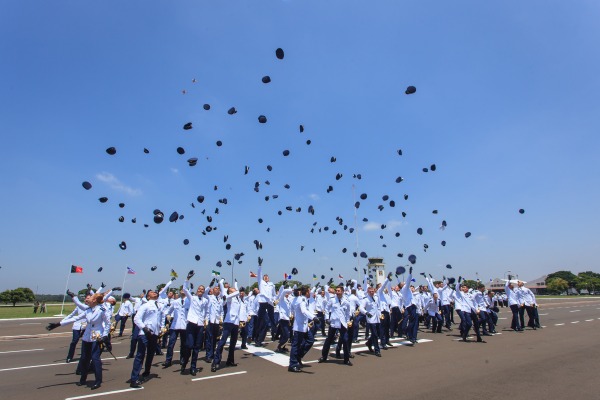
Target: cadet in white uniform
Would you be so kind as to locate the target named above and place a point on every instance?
(302, 316)
(94, 336)
(149, 319)
(338, 322)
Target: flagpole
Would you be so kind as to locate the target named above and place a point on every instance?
(356, 231)
(123, 285)
(62, 308)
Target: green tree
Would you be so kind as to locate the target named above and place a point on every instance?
(588, 280)
(568, 276)
(17, 295)
(557, 285)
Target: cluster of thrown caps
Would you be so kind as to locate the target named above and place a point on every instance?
(159, 215)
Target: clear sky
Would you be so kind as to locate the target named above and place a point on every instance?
(506, 107)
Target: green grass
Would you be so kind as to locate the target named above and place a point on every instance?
(26, 311)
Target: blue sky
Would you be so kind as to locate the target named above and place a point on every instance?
(506, 107)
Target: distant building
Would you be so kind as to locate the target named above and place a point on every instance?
(376, 267)
(537, 286)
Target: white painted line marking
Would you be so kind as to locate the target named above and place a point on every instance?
(544, 314)
(589, 320)
(51, 365)
(559, 324)
(19, 351)
(310, 362)
(218, 376)
(269, 355)
(104, 394)
(574, 322)
(574, 310)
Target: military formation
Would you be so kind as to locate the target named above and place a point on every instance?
(213, 318)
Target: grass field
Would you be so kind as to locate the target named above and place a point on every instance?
(26, 311)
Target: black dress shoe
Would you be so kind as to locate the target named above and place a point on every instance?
(294, 369)
(370, 348)
(348, 363)
(301, 364)
(160, 353)
(207, 360)
(129, 356)
(182, 370)
(167, 364)
(338, 356)
(355, 341)
(213, 368)
(244, 347)
(480, 340)
(231, 364)
(96, 386)
(351, 356)
(68, 360)
(136, 384)
(384, 347)
(378, 354)
(77, 372)
(193, 371)
(146, 373)
(322, 360)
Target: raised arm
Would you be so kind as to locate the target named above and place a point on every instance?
(163, 292)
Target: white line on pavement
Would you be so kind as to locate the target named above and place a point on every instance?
(559, 324)
(574, 310)
(104, 394)
(589, 320)
(218, 376)
(19, 351)
(574, 322)
(544, 314)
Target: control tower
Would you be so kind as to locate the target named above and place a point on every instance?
(376, 267)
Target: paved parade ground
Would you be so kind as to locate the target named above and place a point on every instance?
(558, 361)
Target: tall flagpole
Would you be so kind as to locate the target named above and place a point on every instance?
(64, 295)
(356, 232)
(123, 285)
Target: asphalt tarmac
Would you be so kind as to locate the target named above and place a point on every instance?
(558, 361)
